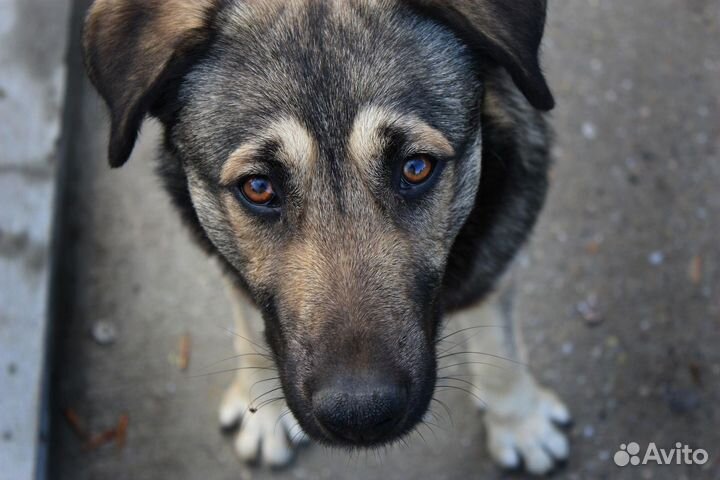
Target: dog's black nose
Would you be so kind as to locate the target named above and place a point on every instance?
(360, 410)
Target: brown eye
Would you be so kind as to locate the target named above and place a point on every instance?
(417, 169)
(258, 190)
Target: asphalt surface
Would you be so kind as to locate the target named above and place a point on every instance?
(620, 290)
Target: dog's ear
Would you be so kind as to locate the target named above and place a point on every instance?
(507, 31)
(133, 49)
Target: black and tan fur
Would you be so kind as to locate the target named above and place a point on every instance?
(326, 97)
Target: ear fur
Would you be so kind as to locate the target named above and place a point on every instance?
(507, 31)
(132, 48)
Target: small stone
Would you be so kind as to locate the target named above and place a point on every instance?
(596, 65)
(589, 131)
(588, 310)
(627, 84)
(644, 391)
(567, 348)
(104, 332)
(645, 325)
(588, 431)
(656, 258)
(604, 455)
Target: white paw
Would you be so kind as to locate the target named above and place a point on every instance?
(532, 438)
(267, 434)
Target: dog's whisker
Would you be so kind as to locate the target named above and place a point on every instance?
(235, 334)
(297, 434)
(435, 417)
(280, 417)
(404, 442)
(472, 363)
(499, 357)
(261, 381)
(455, 387)
(433, 424)
(229, 370)
(430, 426)
(464, 340)
(266, 403)
(422, 437)
(250, 395)
(456, 332)
(235, 357)
(447, 410)
(467, 339)
(252, 402)
(460, 380)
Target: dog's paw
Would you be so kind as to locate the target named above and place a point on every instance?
(532, 438)
(267, 434)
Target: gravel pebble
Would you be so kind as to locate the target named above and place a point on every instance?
(104, 332)
(656, 258)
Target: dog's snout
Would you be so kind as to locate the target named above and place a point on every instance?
(360, 411)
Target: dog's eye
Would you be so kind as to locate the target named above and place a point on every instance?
(417, 169)
(258, 190)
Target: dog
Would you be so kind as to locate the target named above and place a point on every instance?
(364, 171)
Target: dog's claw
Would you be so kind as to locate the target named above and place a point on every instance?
(532, 438)
(265, 436)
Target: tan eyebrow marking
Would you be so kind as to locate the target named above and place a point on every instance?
(366, 141)
(297, 148)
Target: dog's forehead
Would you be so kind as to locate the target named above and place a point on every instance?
(327, 73)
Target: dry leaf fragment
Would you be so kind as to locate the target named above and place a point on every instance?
(695, 270)
(185, 352)
(121, 430)
(76, 424)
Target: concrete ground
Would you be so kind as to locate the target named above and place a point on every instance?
(621, 281)
(33, 37)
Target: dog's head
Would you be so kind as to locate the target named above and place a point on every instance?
(332, 151)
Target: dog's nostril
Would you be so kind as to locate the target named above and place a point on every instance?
(360, 410)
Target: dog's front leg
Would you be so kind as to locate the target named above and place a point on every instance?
(255, 399)
(521, 416)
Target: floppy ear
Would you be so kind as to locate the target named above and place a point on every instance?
(507, 31)
(133, 48)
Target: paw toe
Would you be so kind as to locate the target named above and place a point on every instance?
(537, 460)
(554, 408)
(247, 443)
(505, 455)
(556, 443)
(276, 451)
